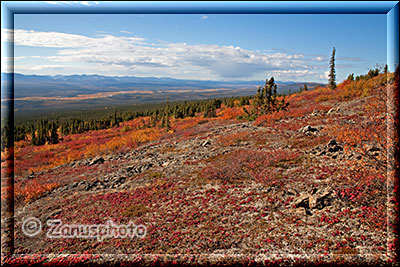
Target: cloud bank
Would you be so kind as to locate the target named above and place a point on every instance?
(109, 54)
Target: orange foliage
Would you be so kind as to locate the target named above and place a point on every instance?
(131, 140)
(185, 123)
(33, 189)
(370, 132)
(346, 90)
(230, 113)
(268, 118)
(76, 147)
(292, 112)
(233, 139)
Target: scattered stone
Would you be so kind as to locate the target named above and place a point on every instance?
(206, 143)
(315, 112)
(145, 167)
(165, 164)
(243, 143)
(96, 160)
(132, 169)
(335, 148)
(332, 142)
(118, 181)
(316, 199)
(55, 212)
(321, 199)
(308, 128)
(374, 149)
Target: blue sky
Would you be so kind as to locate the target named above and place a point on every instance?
(210, 46)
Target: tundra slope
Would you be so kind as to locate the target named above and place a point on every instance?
(287, 191)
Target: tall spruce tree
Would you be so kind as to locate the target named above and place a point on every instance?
(332, 71)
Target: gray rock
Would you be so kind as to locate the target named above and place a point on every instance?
(243, 143)
(55, 212)
(146, 167)
(206, 143)
(374, 149)
(315, 112)
(308, 128)
(132, 169)
(321, 200)
(316, 199)
(335, 148)
(96, 160)
(332, 142)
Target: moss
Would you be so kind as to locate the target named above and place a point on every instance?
(283, 163)
(155, 175)
(135, 210)
(202, 122)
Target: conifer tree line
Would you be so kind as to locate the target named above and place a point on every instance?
(46, 132)
(266, 100)
(371, 73)
(303, 88)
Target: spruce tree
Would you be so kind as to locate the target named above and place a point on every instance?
(332, 71)
(274, 92)
(259, 100)
(350, 77)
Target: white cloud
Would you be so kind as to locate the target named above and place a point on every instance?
(320, 58)
(204, 17)
(115, 55)
(11, 58)
(89, 3)
(325, 76)
(62, 40)
(42, 67)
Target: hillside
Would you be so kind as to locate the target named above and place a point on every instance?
(304, 185)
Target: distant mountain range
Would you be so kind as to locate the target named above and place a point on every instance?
(73, 85)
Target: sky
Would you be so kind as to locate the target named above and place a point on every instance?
(198, 46)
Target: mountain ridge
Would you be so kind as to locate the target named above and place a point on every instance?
(73, 85)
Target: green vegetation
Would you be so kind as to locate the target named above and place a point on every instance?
(266, 101)
(303, 88)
